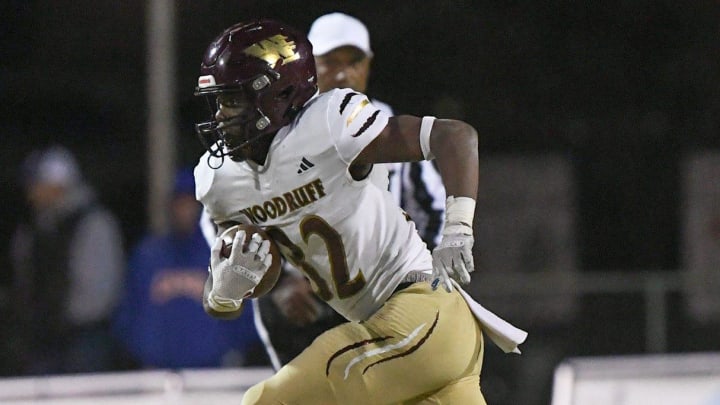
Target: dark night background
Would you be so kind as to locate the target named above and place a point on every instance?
(622, 88)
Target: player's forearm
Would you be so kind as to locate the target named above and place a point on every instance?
(455, 147)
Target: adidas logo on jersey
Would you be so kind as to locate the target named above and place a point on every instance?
(305, 165)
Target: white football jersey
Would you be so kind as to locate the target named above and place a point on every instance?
(350, 238)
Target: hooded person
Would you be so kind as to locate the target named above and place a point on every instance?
(68, 261)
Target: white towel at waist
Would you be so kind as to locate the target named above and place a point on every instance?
(502, 333)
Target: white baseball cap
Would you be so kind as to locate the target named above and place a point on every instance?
(337, 29)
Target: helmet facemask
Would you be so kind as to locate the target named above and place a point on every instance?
(245, 123)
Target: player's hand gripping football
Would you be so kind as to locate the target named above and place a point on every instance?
(236, 276)
(452, 258)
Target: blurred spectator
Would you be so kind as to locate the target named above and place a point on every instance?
(161, 321)
(292, 316)
(68, 264)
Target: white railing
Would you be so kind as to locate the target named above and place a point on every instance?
(658, 379)
(159, 387)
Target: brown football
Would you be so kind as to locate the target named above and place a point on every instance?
(273, 273)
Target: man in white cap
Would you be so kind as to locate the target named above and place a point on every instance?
(68, 264)
(341, 45)
(292, 316)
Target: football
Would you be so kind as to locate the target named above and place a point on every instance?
(273, 273)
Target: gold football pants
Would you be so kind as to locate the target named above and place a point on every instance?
(421, 347)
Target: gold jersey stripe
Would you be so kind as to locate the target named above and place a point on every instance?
(356, 111)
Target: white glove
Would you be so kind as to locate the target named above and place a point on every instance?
(236, 277)
(452, 258)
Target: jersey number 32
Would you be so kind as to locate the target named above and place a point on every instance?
(314, 225)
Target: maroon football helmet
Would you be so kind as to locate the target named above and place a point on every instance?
(267, 65)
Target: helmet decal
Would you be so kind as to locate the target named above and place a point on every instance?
(206, 81)
(274, 49)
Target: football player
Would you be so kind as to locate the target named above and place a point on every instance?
(291, 317)
(302, 165)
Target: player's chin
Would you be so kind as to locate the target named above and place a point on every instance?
(237, 153)
(234, 135)
(241, 154)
